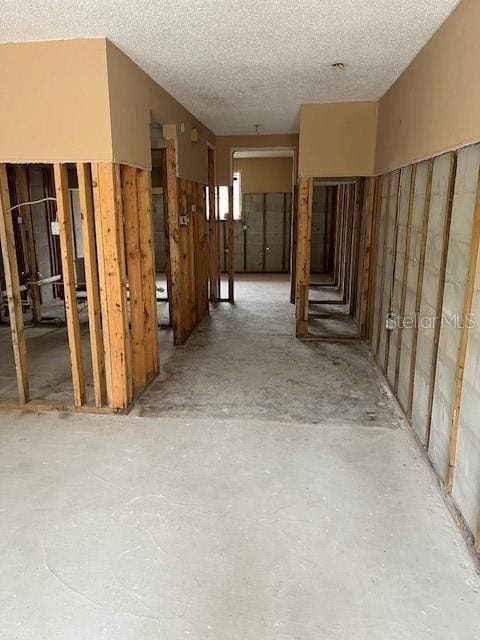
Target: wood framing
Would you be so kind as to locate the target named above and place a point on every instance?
(171, 215)
(393, 267)
(284, 232)
(419, 289)
(293, 243)
(462, 346)
(373, 271)
(406, 264)
(134, 274)
(367, 256)
(147, 258)
(302, 270)
(23, 196)
(231, 246)
(447, 220)
(358, 198)
(213, 230)
(91, 278)
(69, 286)
(113, 283)
(201, 252)
(383, 263)
(12, 282)
(264, 232)
(349, 224)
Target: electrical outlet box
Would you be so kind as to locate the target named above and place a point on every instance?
(55, 227)
(183, 220)
(194, 208)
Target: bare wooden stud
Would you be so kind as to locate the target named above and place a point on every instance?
(202, 249)
(349, 246)
(134, 274)
(190, 257)
(284, 233)
(367, 256)
(231, 246)
(302, 271)
(447, 220)
(406, 264)
(113, 283)
(213, 237)
(149, 284)
(293, 243)
(91, 278)
(23, 196)
(383, 263)
(373, 272)
(12, 282)
(174, 241)
(462, 346)
(393, 267)
(71, 311)
(419, 289)
(358, 196)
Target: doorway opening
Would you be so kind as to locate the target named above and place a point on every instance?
(331, 246)
(259, 235)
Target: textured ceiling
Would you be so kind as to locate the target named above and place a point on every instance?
(238, 63)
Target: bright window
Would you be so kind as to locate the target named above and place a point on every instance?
(237, 199)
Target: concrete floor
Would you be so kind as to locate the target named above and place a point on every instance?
(289, 503)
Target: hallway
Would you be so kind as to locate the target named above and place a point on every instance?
(263, 488)
(244, 362)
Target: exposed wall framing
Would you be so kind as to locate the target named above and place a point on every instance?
(188, 248)
(116, 273)
(427, 274)
(333, 212)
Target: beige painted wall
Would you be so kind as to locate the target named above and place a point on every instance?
(435, 104)
(226, 144)
(134, 96)
(337, 139)
(54, 101)
(85, 100)
(265, 175)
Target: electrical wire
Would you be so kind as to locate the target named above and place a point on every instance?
(24, 204)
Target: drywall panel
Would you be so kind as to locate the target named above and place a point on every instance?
(434, 105)
(265, 175)
(455, 279)
(337, 139)
(428, 307)
(55, 103)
